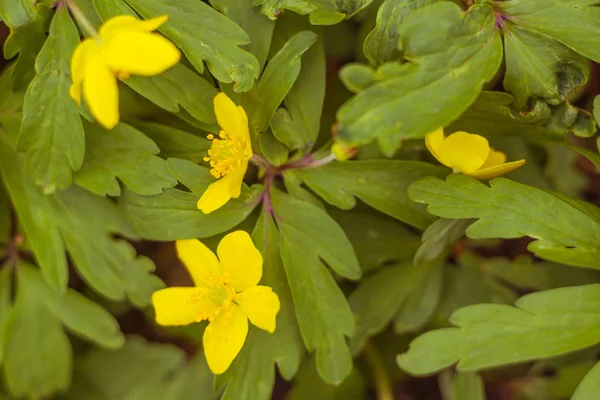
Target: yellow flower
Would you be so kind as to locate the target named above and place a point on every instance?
(228, 155)
(124, 46)
(226, 294)
(470, 154)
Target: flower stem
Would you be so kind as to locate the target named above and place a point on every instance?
(81, 19)
(380, 374)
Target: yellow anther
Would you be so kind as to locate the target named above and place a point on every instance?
(226, 154)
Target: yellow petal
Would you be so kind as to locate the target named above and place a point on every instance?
(78, 64)
(493, 159)
(231, 119)
(223, 339)
(240, 259)
(128, 22)
(101, 91)
(178, 305)
(261, 305)
(464, 152)
(495, 171)
(235, 179)
(216, 195)
(140, 53)
(434, 141)
(201, 263)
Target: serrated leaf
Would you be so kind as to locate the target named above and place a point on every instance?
(276, 81)
(52, 135)
(323, 313)
(405, 292)
(448, 64)
(174, 214)
(438, 236)
(507, 209)
(299, 123)
(35, 334)
(252, 374)
(380, 184)
(590, 386)
(542, 324)
(174, 142)
(27, 35)
(123, 153)
(539, 67)
(381, 44)
(322, 12)
(199, 31)
(467, 385)
(580, 21)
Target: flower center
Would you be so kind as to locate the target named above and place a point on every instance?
(218, 301)
(225, 154)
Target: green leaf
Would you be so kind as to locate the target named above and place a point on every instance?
(309, 385)
(173, 142)
(141, 370)
(322, 12)
(449, 63)
(27, 25)
(79, 314)
(590, 386)
(273, 150)
(174, 214)
(380, 184)
(298, 124)
(467, 385)
(405, 292)
(35, 334)
(507, 209)
(123, 153)
(580, 21)
(438, 236)
(252, 374)
(543, 324)
(381, 44)
(199, 31)
(6, 306)
(562, 171)
(258, 27)
(276, 81)
(323, 313)
(52, 135)
(539, 67)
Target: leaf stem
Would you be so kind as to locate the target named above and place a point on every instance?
(380, 374)
(82, 20)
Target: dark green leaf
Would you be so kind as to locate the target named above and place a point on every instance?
(451, 56)
(273, 150)
(6, 275)
(123, 153)
(590, 386)
(380, 184)
(309, 385)
(438, 236)
(381, 44)
(205, 35)
(323, 313)
(52, 136)
(322, 12)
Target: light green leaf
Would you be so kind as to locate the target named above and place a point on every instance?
(438, 236)
(580, 22)
(258, 27)
(507, 209)
(173, 142)
(123, 153)
(298, 124)
(27, 25)
(381, 44)
(467, 385)
(405, 292)
(276, 81)
(35, 334)
(205, 35)
(590, 386)
(449, 63)
(79, 314)
(174, 214)
(539, 67)
(542, 324)
(252, 374)
(380, 184)
(52, 136)
(323, 313)
(322, 12)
